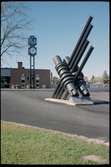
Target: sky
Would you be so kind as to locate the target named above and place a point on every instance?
(58, 25)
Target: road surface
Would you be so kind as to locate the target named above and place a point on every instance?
(29, 107)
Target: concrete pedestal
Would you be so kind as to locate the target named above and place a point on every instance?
(72, 101)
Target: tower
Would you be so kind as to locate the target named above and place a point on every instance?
(32, 51)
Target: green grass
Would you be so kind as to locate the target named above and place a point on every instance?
(22, 145)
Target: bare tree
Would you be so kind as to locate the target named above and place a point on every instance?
(105, 77)
(13, 24)
(93, 79)
(55, 81)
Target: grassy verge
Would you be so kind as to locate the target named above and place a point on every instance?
(22, 145)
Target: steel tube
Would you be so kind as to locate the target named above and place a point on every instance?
(71, 62)
(81, 83)
(81, 40)
(75, 50)
(80, 54)
(81, 36)
(84, 61)
(60, 88)
(65, 75)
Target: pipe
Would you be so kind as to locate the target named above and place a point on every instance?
(65, 75)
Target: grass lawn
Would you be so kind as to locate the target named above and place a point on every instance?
(26, 145)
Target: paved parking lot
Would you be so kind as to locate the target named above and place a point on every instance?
(29, 107)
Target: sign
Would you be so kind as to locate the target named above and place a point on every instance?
(32, 40)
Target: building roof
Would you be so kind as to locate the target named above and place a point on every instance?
(7, 71)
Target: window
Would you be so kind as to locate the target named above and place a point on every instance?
(22, 81)
(37, 85)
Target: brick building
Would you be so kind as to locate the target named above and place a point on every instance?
(19, 77)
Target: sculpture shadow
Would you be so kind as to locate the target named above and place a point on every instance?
(99, 106)
(99, 102)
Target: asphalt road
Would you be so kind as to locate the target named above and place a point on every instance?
(29, 107)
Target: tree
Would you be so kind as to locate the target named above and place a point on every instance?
(93, 79)
(105, 77)
(98, 79)
(13, 22)
(86, 78)
(55, 81)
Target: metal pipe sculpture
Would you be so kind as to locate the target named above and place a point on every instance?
(65, 75)
(71, 77)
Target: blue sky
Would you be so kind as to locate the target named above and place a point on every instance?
(58, 25)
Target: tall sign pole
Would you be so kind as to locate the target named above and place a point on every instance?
(32, 51)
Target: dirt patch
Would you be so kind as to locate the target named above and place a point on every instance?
(94, 158)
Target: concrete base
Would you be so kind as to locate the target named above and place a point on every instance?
(80, 100)
(72, 101)
(57, 100)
